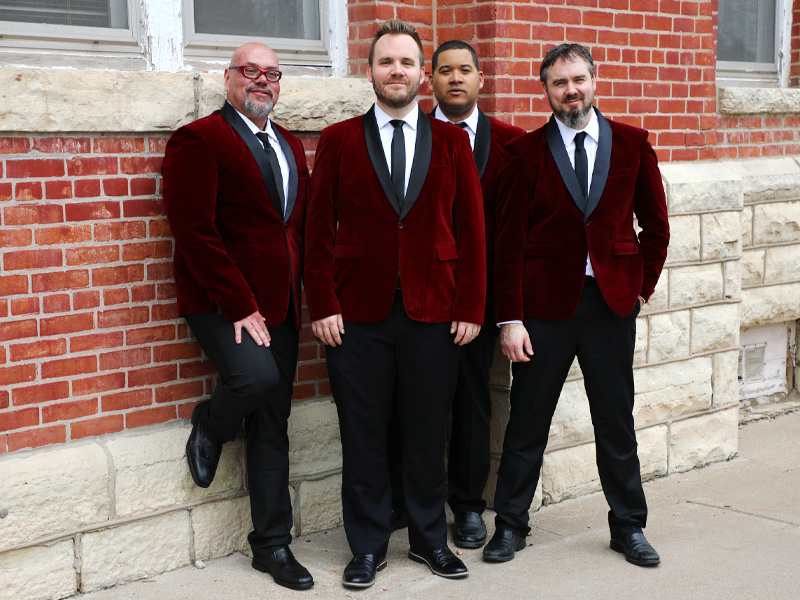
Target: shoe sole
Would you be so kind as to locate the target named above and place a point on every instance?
(420, 559)
(469, 545)
(292, 586)
(367, 584)
(197, 482)
(501, 559)
(617, 547)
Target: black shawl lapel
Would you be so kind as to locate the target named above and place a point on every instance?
(422, 160)
(483, 142)
(287, 152)
(559, 152)
(602, 162)
(378, 158)
(257, 150)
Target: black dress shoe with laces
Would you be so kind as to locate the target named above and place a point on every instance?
(502, 546)
(636, 548)
(441, 561)
(202, 453)
(284, 568)
(469, 530)
(360, 572)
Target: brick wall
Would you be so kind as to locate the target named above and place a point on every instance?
(794, 72)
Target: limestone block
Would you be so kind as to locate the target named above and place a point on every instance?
(715, 327)
(314, 445)
(491, 486)
(732, 275)
(652, 451)
(221, 528)
(701, 186)
(743, 100)
(642, 336)
(669, 336)
(684, 239)
(660, 298)
(39, 572)
(703, 439)
(151, 469)
(568, 473)
(305, 103)
(726, 381)
(747, 226)
(753, 266)
(57, 488)
(722, 235)
(673, 389)
(500, 374)
(767, 179)
(695, 285)
(770, 304)
(572, 422)
(782, 264)
(48, 100)
(500, 410)
(135, 550)
(320, 504)
(776, 222)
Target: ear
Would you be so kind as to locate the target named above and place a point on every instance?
(227, 79)
(369, 73)
(480, 80)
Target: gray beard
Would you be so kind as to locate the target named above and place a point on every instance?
(574, 119)
(258, 110)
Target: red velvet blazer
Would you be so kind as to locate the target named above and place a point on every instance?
(543, 237)
(357, 239)
(233, 251)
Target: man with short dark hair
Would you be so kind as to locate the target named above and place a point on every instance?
(395, 280)
(571, 275)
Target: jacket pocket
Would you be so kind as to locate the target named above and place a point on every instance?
(347, 251)
(447, 252)
(624, 247)
(540, 249)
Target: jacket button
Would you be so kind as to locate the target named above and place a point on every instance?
(586, 222)
(400, 225)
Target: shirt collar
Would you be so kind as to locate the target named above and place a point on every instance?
(471, 120)
(411, 118)
(592, 129)
(254, 128)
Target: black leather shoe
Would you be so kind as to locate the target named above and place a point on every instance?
(284, 568)
(636, 548)
(399, 518)
(441, 561)
(202, 454)
(502, 546)
(469, 530)
(360, 572)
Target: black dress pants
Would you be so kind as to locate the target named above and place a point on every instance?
(604, 344)
(255, 387)
(418, 359)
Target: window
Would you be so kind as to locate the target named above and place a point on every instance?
(751, 42)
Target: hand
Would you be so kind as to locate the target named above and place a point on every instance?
(465, 332)
(515, 342)
(254, 324)
(329, 330)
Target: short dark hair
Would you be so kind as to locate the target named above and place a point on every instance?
(454, 45)
(571, 52)
(396, 27)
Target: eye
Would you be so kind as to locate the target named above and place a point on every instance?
(251, 71)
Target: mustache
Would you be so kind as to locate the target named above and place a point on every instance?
(572, 97)
(395, 80)
(261, 88)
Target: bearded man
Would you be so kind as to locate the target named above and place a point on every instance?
(395, 280)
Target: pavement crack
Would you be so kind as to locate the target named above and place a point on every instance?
(742, 512)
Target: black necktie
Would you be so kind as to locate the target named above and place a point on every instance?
(462, 124)
(581, 164)
(398, 161)
(275, 166)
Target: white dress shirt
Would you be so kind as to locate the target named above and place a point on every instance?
(471, 121)
(386, 131)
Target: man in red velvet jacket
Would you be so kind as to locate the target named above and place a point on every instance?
(234, 188)
(571, 275)
(395, 278)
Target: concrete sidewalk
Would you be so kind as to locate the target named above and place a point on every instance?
(728, 531)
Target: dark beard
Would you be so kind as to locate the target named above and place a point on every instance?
(574, 119)
(400, 102)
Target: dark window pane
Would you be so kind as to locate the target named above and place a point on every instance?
(747, 31)
(298, 19)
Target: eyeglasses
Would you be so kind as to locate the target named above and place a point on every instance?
(252, 72)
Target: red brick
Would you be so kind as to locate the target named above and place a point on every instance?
(87, 188)
(150, 416)
(37, 349)
(112, 145)
(165, 312)
(91, 255)
(37, 394)
(130, 230)
(5, 401)
(67, 324)
(95, 385)
(62, 280)
(28, 190)
(152, 375)
(142, 208)
(35, 438)
(94, 165)
(56, 190)
(92, 211)
(141, 251)
(124, 359)
(17, 419)
(11, 145)
(139, 165)
(116, 296)
(34, 167)
(307, 352)
(17, 374)
(301, 391)
(65, 411)
(15, 330)
(120, 317)
(63, 145)
(185, 410)
(148, 335)
(197, 369)
(84, 300)
(143, 186)
(32, 259)
(24, 306)
(15, 238)
(13, 284)
(179, 391)
(6, 190)
(158, 145)
(94, 341)
(63, 234)
(159, 228)
(68, 367)
(145, 293)
(172, 352)
(126, 400)
(98, 426)
(116, 275)
(311, 371)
